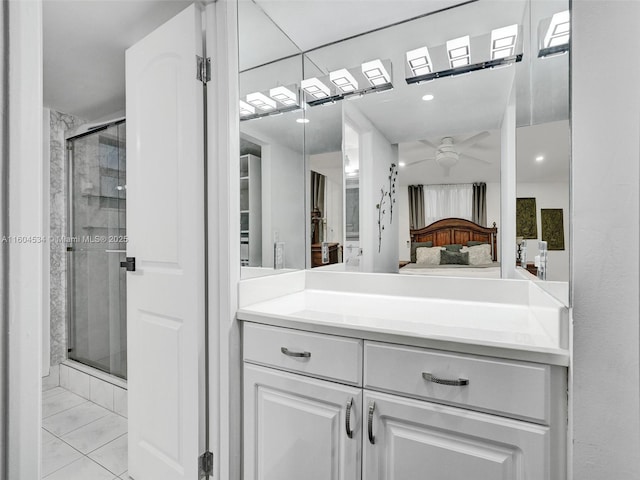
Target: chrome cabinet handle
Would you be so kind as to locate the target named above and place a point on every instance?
(372, 407)
(347, 421)
(288, 352)
(454, 383)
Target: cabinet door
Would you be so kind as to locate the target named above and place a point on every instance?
(414, 440)
(295, 427)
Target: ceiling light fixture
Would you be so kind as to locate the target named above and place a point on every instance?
(315, 88)
(261, 101)
(558, 32)
(375, 72)
(343, 80)
(284, 96)
(503, 41)
(539, 158)
(246, 109)
(402, 164)
(459, 51)
(428, 97)
(419, 61)
(302, 120)
(556, 40)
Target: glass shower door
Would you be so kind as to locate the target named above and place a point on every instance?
(97, 218)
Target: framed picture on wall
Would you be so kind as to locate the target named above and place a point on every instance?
(526, 222)
(552, 224)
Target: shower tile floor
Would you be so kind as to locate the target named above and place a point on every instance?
(81, 440)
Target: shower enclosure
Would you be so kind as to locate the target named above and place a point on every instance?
(96, 284)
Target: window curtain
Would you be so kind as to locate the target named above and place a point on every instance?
(318, 182)
(416, 206)
(447, 201)
(480, 204)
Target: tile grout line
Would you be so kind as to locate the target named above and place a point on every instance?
(66, 409)
(84, 425)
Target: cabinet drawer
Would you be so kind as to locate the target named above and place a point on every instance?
(318, 355)
(511, 388)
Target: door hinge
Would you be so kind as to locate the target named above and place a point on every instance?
(203, 72)
(206, 464)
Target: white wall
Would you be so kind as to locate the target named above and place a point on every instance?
(330, 165)
(376, 157)
(549, 195)
(283, 204)
(404, 251)
(605, 272)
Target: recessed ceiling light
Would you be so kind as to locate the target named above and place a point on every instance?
(539, 158)
(427, 97)
(302, 120)
(402, 164)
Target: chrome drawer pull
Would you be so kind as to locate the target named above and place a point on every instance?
(286, 351)
(454, 383)
(347, 421)
(372, 407)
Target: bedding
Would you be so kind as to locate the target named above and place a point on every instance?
(491, 270)
(478, 254)
(428, 256)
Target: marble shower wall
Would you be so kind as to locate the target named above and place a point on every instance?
(59, 123)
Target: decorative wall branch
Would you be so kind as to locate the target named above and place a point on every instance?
(381, 212)
(393, 175)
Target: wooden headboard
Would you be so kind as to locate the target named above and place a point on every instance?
(457, 230)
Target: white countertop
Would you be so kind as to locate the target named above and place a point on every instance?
(507, 330)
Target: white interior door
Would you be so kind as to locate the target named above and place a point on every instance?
(165, 224)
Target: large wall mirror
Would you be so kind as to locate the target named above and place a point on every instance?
(410, 131)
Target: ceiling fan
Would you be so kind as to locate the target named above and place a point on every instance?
(448, 153)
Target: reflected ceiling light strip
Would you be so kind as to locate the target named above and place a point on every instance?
(558, 32)
(261, 101)
(343, 80)
(556, 40)
(375, 72)
(315, 88)
(246, 109)
(503, 41)
(459, 51)
(284, 96)
(419, 61)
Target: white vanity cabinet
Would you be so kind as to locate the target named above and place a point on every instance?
(332, 407)
(406, 438)
(298, 427)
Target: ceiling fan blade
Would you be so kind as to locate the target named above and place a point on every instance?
(471, 157)
(471, 141)
(419, 161)
(427, 142)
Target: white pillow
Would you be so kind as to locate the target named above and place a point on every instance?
(428, 255)
(479, 254)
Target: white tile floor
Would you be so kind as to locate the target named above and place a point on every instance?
(81, 440)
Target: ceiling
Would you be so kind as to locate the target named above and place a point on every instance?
(84, 45)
